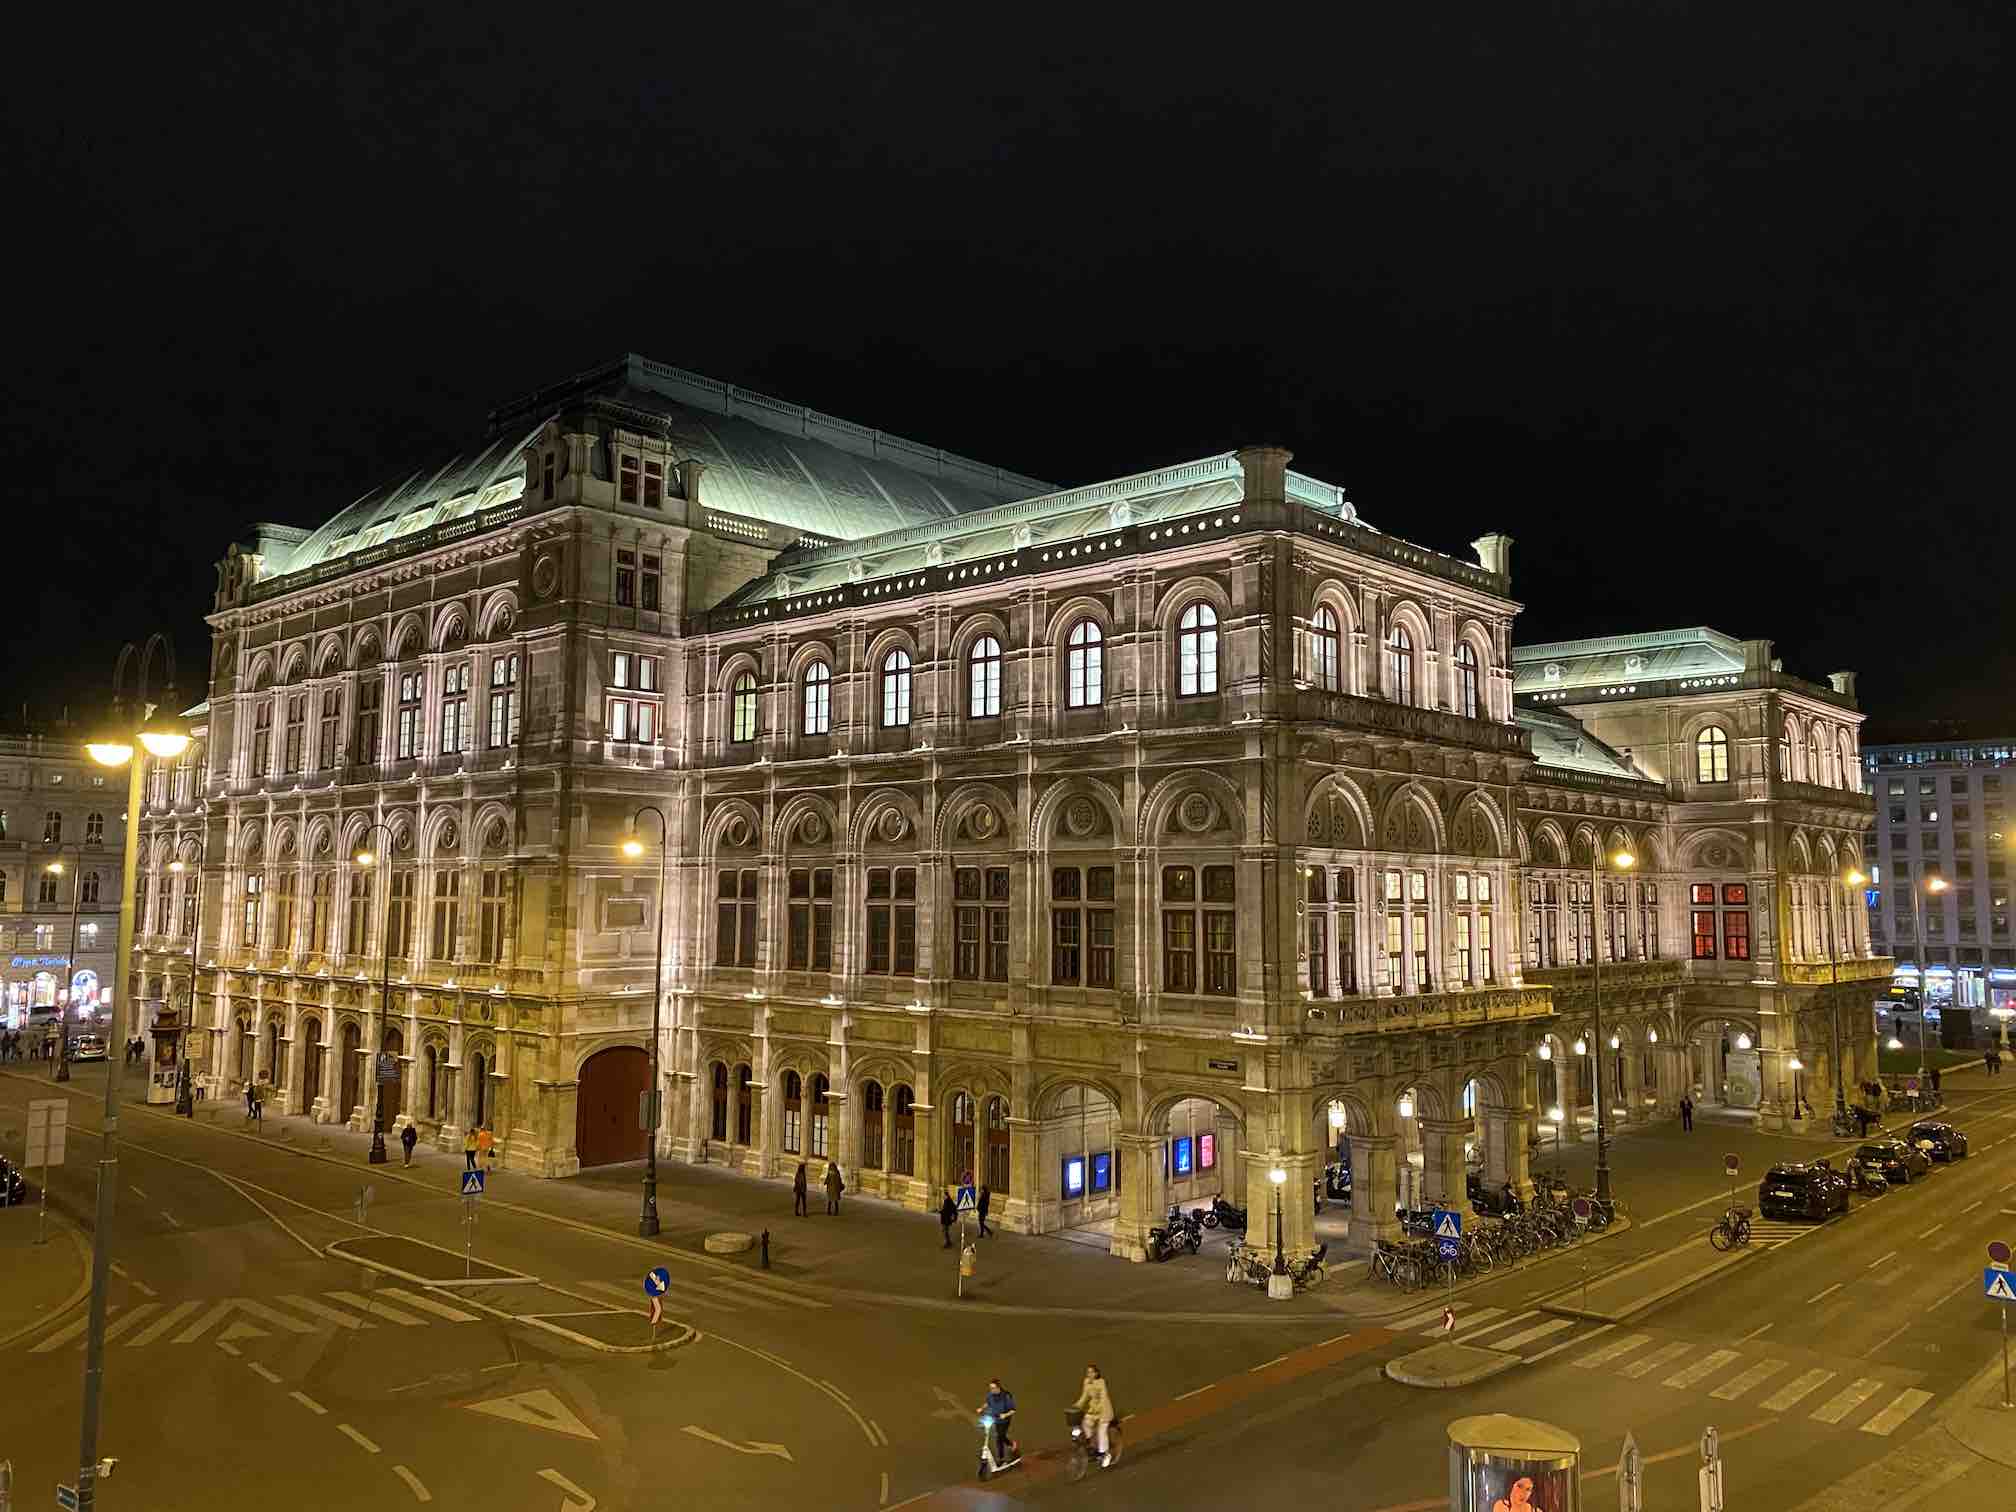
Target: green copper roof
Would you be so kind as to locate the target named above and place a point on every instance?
(1559, 740)
(1612, 659)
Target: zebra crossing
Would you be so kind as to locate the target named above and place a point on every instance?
(692, 1293)
(229, 1319)
(1770, 1233)
(1829, 1396)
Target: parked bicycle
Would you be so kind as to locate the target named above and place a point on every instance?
(1731, 1230)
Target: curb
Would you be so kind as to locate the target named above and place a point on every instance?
(1617, 1226)
(83, 1288)
(1721, 1263)
(1481, 1365)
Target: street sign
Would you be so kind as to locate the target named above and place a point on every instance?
(647, 1110)
(48, 1123)
(1630, 1477)
(1582, 1210)
(1731, 1166)
(1447, 1224)
(472, 1183)
(1995, 1282)
(66, 1496)
(388, 1066)
(1448, 1248)
(657, 1281)
(1998, 1253)
(969, 1201)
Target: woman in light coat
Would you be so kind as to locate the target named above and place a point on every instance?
(1096, 1402)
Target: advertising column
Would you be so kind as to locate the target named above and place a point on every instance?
(1499, 1463)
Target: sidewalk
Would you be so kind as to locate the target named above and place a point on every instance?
(39, 1282)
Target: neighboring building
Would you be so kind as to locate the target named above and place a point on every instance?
(59, 928)
(1942, 810)
(1106, 842)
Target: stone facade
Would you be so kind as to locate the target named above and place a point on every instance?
(1107, 844)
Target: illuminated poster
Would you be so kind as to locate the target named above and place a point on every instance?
(1102, 1171)
(1183, 1155)
(1510, 1486)
(84, 989)
(1207, 1151)
(1074, 1176)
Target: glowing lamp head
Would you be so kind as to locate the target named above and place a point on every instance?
(1893, 1043)
(1337, 1116)
(1797, 1064)
(366, 858)
(632, 846)
(1854, 878)
(54, 868)
(178, 867)
(1546, 1051)
(1581, 1047)
(1406, 1105)
(1651, 1036)
(1277, 1175)
(1616, 1043)
(1935, 884)
(1556, 1116)
(1742, 1042)
(1623, 860)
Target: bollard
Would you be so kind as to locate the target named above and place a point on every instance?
(766, 1249)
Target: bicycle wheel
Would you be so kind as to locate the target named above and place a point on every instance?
(1112, 1444)
(1080, 1460)
(1480, 1257)
(1722, 1236)
(1742, 1230)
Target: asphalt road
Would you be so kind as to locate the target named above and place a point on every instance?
(247, 1367)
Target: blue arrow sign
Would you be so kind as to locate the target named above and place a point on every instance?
(1995, 1282)
(1447, 1225)
(472, 1183)
(657, 1282)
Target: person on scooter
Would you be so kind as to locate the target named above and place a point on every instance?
(1096, 1403)
(1000, 1406)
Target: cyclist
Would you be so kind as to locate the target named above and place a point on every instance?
(1096, 1403)
(1000, 1406)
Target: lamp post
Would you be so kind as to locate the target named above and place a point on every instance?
(1622, 861)
(369, 858)
(1797, 1066)
(1554, 1117)
(164, 735)
(69, 989)
(1935, 886)
(1851, 878)
(1279, 1177)
(647, 1222)
(185, 1095)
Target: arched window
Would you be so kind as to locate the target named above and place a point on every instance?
(818, 699)
(431, 1060)
(985, 663)
(896, 689)
(1084, 666)
(821, 1117)
(1197, 651)
(94, 829)
(1850, 778)
(45, 886)
(871, 1126)
(718, 1124)
(962, 1138)
(794, 1106)
(1400, 665)
(745, 1103)
(1711, 755)
(88, 888)
(1324, 642)
(479, 1091)
(903, 1155)
(52, 828)
(1785, 753)
(1816, 773)
(1466, 680)
(744, 704)
(997, 1146)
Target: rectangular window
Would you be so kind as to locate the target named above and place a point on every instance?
(980, 924)
(1736, 934)
(648, 594)
(1422, 980)
(1347, 952)
(618, 721)
(503, 701)
(297, 732)
(735, 918)
(445, 945)
(1465, 960)
(262, 737)
(454, 708)
(1484, 968)
(368, 747)
(892, 921)
(283, 912)
(1704, 934)
(1319, 955)
(654, 492)
(1395, 952)
(411, 685)
(321, 904)
(626, 579)
(1179, 950)
(626, 482)
(357, 915)
(810, 942)
(332, 712)
(493, 910)
(399, 915)
(249, 926)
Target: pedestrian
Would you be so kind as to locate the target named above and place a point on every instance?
(1862, 1119)
(251, 1103)
(1686, 1114)
(408, 1137)
(486, 1146)
(985, 1198)
(947, 1216)
(1935, 1081)
(834, 1187)
(798, 1192)
(469, 1150)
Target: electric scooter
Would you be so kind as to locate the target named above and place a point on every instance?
(989, 1465)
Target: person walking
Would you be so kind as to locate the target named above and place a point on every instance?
(1686, 1114)
(408, 1137)
(986, 1197)
(1935, 1081)
(486, 1146)
(948, 1214)
(251, 1102)
(469, 1149)
(798, 1192)
(834, 1187)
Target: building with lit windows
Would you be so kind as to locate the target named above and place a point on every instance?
(1113, 844)
(1942, 812)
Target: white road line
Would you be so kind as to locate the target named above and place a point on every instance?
(1789, 1395)
(162, 1324)
(1538, 1331)
(1890, 1418)
(1900, 1328)
(1613, 1351)
(427, 1304)
(171, 1218)
(1754, 1333)
(1737, 1387)
(1700, 1370)
(376, 1309)
(143, 1196)
(879, 1433)
(1970, 1207)
(1637, 1370)
(1874, 1263)
(322, 1310)
(885, 1488)
(420, 1492)
(262, 1372)
(1198, 1392)
(310, 1403)
(127, 1319)
(1251, 1369)
(362, 1442)
(1932, 1230)
(64, 1334)
(228, 1347)
(1846, 1400)
(1494, 1327)
(1565, 1343)
(1412, 1320)
(1819, 1294)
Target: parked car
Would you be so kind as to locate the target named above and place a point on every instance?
(1896, 1161)
(1941, 1141)
(87, 1047)
(1802, 1189)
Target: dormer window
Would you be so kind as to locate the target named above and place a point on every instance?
(654, 485)
(626, 481)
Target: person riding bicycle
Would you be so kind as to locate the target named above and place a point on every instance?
(1000, 1406)
(1096, 1403)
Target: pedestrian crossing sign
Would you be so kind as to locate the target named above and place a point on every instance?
(1996, 1282)
(472, 1183)
(968, 1202)
(1448, 1225)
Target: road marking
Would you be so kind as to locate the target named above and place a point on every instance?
(1932, 1230)
(1637, 1370)
(1819, 1294)
(1275, 1361)
(1754, 1333)
(1700, 1370)
(1737, 1387)
(754, 1446)
(161, 1325)
(1538, 1331)
(879, 1433)
(1613, 1351)
(1889, 1336)
(1846, 1400)
(885, 1488)
(171, 1218)
(427, 1304)
(1463, 1320)
(537, 1409)
(1565, 1343)
(1874, 1263)
(420, 1492)
(260, 1370)
(228, 1347)
(1415, 1320)
(127, 1319)
(1970, 1207)
(1198, 1392)
(554, 1477)
(379, 1310)
(352, 1434)
(1888, 1420)
(140, 1286)
(66, 1333)
(310, 1403)
(316, 1309)
(1502, 1323)
(1788, 1396)
(143, 1196)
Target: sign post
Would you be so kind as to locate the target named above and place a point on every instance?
(1731, 1167)
(1582, 1208)
(472, 1191)
(48, 1124)
(1448, 1228)
(657, 1281)
(1711, 1471)
(1996, 1282)
(968, 1203)
(1630, 1477)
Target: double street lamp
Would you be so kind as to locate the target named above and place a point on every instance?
(633, 847)
(1622, 861)
(367, 857)
(1935, 886)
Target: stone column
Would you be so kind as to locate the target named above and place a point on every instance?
(1374, 1182)
(1446, 1184)
(1018, 1211)
(1141, 1206)
(1507, 1152)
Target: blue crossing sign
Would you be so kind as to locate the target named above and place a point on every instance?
(1448, 1230)
(472, 1183)
(1996, 1283)
(969, 1201)
(657, 1281)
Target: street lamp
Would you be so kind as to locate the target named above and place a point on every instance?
(1935, 886)
(185, 1096)
(1622, 861)
(1797, 1066)
(1554, 1117)
(633, 847)
(1278, 1177)
(163, 734)
(369, 858)
(1850, 878)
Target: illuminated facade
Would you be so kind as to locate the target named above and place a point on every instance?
(1106, 843)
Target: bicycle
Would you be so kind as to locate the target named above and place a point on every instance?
(1084, 1446)
(1731, 1230)
(1395, 1264)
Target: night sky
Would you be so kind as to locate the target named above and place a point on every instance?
(1707, 305)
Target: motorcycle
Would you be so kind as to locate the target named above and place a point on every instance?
(1224, 1215)
(1164, 1244)
(1187, 1228)
(1085, 1447)
(989, 1465)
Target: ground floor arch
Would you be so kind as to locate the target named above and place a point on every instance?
(606, 1122)
(352, 1053)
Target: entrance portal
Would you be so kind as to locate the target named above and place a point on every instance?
(607, 1100)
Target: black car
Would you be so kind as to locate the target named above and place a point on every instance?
(1895, 1160)
(1802, 1189)
(1939, 1140)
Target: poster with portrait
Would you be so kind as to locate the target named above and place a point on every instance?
(1500, 1484)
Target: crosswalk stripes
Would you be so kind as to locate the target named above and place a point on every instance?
(728, 1293)
(1415, 1320)
(161, 1325)
(1769, 1233)
(1465, 1320)
(1538, 1331)
(1616, 1349)
(146, 1323)
(426, 1304)
(1737, 1387)
(377, 1309)
(1700, 1370)
(1495, 1325)
(1797, 1389)
(1638, 1369)
(1846, 1400)
(316, 1309)
(1891, 1417)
